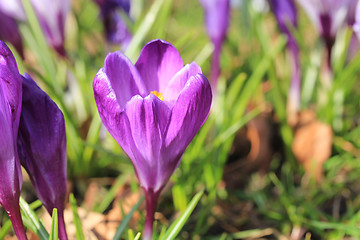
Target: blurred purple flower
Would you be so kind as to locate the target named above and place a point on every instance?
(9, 32)
(351, 13)
(52, 18)
(13, 9)
(285, 13)
(114, 24)
(217, 17)
(328, 17)
(153, 110)
(356, 25)
(286, 16)
(10, 106)
(42, 148)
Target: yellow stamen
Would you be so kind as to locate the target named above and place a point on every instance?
(159, 95)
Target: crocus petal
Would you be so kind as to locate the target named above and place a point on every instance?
(9, 165)
(10, 105)
(10, 82)
(42, 145)
(357, 21)
(188, 115)
(148, 118)
(158, 62)
(13, 9)
(52, 20)
(112, 89)
(122, 77)
(178, 82)
(9, 32)
(10, 178)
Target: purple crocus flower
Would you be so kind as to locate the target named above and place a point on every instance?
(285, 13)
(42, 148)
(153, 110)
(217, 16)
(10, 106)
(115, 27)
(286, 16)
(52, 20)
(328, 17)
(9, 32)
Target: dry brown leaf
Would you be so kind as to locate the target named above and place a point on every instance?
(312, 144)
(88, 220)
(106, 229)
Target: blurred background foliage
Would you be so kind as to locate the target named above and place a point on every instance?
(243, 157)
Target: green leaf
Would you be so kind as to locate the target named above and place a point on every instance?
(32, 222)
(144, 28)
(5, 229)
(109, 197)
(137, 237)
(54, 226)
(126, 219)
(77, 220)
(175, 228)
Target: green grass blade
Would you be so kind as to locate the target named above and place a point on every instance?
(5, 228)
(77, 221)
(234, 128)
(175, 228)
(109, 197)
(143, 29)
(54, 226)
(35, 204)
(253, 233)
(43, 51)
(137, 237)
(32, 222)
(255, 79)
(126, 219)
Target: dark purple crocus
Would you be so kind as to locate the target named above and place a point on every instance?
(9, 32)
(115, 27)
(217, 16)
(328, 17)
(153, 110)
(42, 148)
(286, 16)
(10, 107)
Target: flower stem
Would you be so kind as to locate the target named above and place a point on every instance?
(61, 226)
(326, 76)
(215, 67)
(151, 199)
(17, 223)
(293, 104)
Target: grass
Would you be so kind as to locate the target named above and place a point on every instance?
(221, 193)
